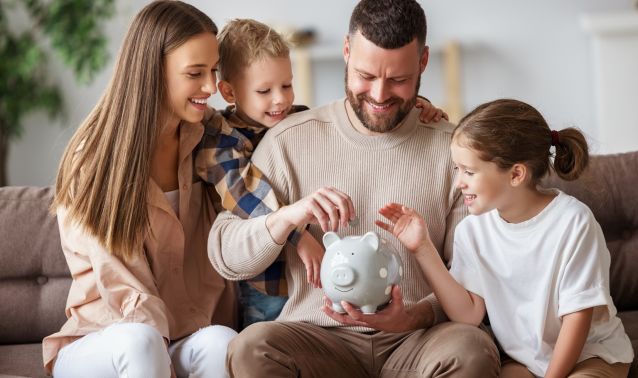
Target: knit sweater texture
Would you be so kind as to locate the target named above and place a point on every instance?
(321, 147)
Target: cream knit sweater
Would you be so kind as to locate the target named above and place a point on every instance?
(410, 165)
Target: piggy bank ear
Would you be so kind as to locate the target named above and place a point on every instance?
(372, 239)
(330, 238)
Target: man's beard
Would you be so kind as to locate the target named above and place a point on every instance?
(385, 123)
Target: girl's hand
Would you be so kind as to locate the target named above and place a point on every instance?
(405, 224)
(429, 112)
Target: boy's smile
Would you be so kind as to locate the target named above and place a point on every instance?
(263, 92)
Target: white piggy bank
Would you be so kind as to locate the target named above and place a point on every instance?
(359, 270)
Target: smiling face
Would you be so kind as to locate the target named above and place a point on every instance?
(485, 186)
(382, 84)
(191, 78)
(262, 93)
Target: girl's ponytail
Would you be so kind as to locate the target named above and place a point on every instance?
(507, 132)
(572, 153)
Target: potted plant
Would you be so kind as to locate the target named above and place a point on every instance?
(73, 28)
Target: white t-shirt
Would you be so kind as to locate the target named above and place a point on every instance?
(532, 273)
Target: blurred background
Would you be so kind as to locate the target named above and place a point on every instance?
(575, 60)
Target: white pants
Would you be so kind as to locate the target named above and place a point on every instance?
(132, 350)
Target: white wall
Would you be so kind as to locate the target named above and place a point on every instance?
(533, 51)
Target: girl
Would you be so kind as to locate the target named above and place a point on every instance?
(535, 259)
(133, 219)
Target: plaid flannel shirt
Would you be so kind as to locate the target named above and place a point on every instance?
(223, 160)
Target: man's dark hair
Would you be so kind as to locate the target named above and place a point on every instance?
(389, 24)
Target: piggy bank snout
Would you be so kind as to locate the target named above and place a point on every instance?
(343, 276)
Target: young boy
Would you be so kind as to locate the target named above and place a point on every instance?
(255, 73)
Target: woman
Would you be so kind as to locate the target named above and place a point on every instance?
(134, 219)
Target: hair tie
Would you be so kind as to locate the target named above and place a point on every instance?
(555, 138)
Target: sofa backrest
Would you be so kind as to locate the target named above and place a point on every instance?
(609, 187)
(34, 277)
(35, 280)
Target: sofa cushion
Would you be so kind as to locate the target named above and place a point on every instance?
(608, 187)
(630, 321)
(21, 361)
(34, 277)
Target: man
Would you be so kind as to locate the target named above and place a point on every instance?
(371, 147)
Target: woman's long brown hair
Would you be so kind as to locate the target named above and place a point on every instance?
(104, 174)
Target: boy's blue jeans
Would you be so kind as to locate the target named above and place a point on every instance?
(258, 307)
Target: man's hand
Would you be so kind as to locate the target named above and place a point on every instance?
(429, 112)
(311, 253)
(394, 318)
(328, 207)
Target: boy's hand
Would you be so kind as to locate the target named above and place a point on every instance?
(405, 224)
(311, 253)
(429, 112)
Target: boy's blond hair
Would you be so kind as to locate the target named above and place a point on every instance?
(244, 41)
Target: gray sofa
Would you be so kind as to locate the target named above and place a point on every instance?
(34, 278)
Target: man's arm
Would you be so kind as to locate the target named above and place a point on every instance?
(240, 249)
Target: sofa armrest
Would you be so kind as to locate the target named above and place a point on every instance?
(34, 277)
